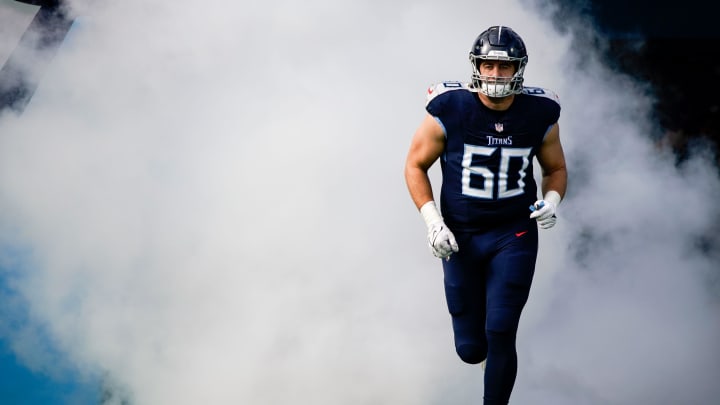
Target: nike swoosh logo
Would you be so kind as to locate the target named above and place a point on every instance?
(519, 234)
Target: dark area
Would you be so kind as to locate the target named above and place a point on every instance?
(674, 49)
(52, 24)
(48, 3)
(671, 46)
(685, 78)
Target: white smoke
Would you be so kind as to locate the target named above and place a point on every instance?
(210, 205)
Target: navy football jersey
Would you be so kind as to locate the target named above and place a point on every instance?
(487, 164)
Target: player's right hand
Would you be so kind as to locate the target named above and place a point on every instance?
(441, 241)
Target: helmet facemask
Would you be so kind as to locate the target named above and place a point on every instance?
(494, 86)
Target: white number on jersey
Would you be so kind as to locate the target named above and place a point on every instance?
(441, 88)
(539, 91)
(506, 154)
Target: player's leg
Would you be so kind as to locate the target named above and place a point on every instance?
(464, 281)
(509, 277)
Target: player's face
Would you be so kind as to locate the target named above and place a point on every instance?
(497, 68)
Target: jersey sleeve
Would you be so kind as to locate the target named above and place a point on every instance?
(550, 102)
(542, 92)
(437, 96)
(435, 106)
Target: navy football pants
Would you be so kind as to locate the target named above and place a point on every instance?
(487, 283)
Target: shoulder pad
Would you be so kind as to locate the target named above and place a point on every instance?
(539, 91)
(439, 88)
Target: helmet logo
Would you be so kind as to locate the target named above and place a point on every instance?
(495, 53)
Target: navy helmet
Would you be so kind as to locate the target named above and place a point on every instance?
(498, 43)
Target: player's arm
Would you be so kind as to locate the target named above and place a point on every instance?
(554, 178)
(552, 162)
(425, 148)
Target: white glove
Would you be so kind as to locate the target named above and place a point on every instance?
(544, 210)
(440, 239)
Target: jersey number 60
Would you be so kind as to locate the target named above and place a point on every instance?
(491, 177)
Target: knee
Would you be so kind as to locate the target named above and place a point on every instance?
(471, 353)
(503, 321)
(501, 341)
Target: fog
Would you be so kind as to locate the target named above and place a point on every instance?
(204, 203)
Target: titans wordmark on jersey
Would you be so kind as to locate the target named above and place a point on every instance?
(487, 162)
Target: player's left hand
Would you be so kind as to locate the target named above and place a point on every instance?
(544, 212)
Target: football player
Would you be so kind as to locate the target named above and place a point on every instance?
(486, 134)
